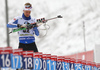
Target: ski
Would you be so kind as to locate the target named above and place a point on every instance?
(16, 30)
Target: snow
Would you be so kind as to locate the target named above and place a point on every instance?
(65, 35)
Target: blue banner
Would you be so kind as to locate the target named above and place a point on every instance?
(28, 63)
(78, 66)
(36, 63)
(5, 60)
(59, 65)
(66, 66)
(53, 65)
(71, 66)
(15, 61)
(88, 67)
(83, 67)
(48, 64)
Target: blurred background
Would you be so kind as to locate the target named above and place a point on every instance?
(66, 35)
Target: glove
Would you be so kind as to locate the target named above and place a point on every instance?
(18, 25)
(35, 25)
(42, 20)
(21, 26)
(29, 26)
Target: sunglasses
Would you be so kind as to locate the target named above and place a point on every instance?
(28, 6)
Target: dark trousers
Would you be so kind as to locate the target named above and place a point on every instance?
(28, 47)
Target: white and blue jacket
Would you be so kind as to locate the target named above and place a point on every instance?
(25, 36)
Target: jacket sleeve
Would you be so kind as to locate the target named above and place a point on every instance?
(36, 31)
(13, 23)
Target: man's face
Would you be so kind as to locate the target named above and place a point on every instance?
(27, 13)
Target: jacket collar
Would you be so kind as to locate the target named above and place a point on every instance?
(26, 18)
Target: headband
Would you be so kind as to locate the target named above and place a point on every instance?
(27, 7)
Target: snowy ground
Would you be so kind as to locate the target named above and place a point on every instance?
(65, 36)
